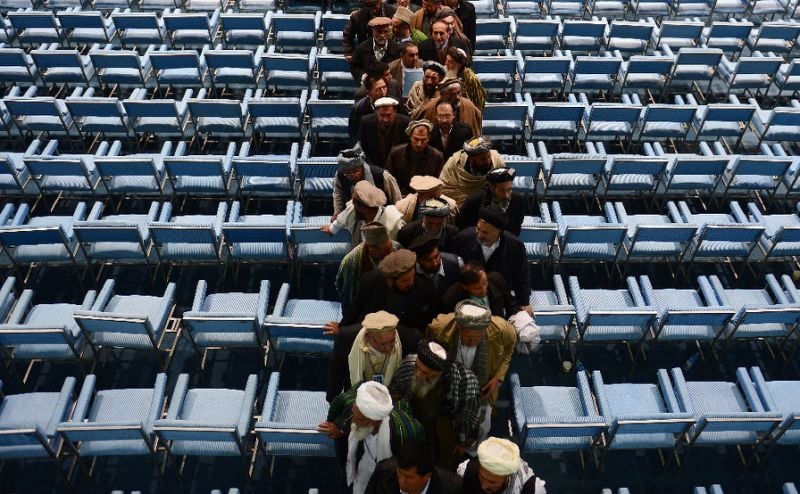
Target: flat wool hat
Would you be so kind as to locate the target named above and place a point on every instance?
(433, 355)
(500, 175)
(398, 262)
(379, 21)
(380, 321)
(418, 123)
(369, 195)
(374, 233)
(424, 183)
(386, 101)
(349, 159)
(404, 14)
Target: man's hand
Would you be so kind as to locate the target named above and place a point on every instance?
(326, 229)
(331, 328)
(348, 58)
(333, 218)
(490, 388)
(330, 429)
(528, 309)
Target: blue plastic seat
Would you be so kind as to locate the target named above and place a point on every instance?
(116, 238)
(296, 325)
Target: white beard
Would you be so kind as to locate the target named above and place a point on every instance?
(421, 389)
(361, 433)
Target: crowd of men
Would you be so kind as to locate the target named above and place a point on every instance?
(435, 290)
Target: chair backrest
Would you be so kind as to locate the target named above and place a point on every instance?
(16, 236)
(681, 234)
(785, 116)
(494, 65)
(632, 30)
(698, 56)
(699, 165)
(135, 20)
(613, 112)
(195, 166)
(243, 21)
(274, 107)
(558, 112)
(81, 19)
(733, 233)
(151, 108)
(175, 59)
(115, 59)
(526, 167)
(332, 63)
(669, 113)
(236, 233)
(591, 29)
(538, 27)
(759, 65)
(56, 166)
(329, 108)
(729, 113)
(597, 65)
(596, 234)
(99, 231)
(32, 20)
(538, 234)
(215, 108)
(303, 23)
(514, 112)
(182, 233)
(779, 30)
(621, 165)
(126, 166)
(94, 107)
(280, 61)
(186, 20)
(763, 165)
(40, 106)
(588, 165)
(547, 65)
(261, 167)
(649, 64)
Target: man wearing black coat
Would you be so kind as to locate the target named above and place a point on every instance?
(446, 128)
(435, 47)
(498, 250)
(442, 268)
(466, 14)
(433, 221)
(380, 132)
(379, 48)
(356, 31)
(498, 192)
(395, 288)
(412, 470)
(338, 370)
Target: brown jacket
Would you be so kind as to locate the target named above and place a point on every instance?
(468, 113)
(402, 166)
(500, 337)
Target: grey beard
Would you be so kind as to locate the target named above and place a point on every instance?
(361, 433)
(421, 389)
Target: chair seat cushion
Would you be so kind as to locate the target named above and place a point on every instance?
(664, 129)
(233, 75)
(259, 251)
(212, 184)
(158, 125)
(189, 75)
(219, 124)
(245, 36)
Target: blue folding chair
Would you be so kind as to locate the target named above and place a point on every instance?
(536, 36)
(133, 175)
(163, 117)
(85, 27)
(234, 68)
(582, 36)
(208, 175)
(288, 71)
(296, 325)
(191, 29)
(125, 68)
(553, 313)
(139, 28)
(256, 238)
(295, 32)
(492, 36)
(546, 74)
(628, 37)
(781, 397)
(663, 122)
(178, 68)
(241, 29)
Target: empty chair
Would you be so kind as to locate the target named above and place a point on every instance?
(583, 36)
(316, 175)
(296, 32)
(646, 72)
(496, 73)
(536, 36)
(565, 8)
(553, 312)
(655, 236)
(178, 68)
(629, 37)
(287, 71)
(40, 114)
(645, 8)
(125, 68)
(694, 66)
(296, 325)
(334, 74)
(200, 174)
(721, 120)
(85, 27)
(633, 174)
(727, 413)
(781, 236)
(617, 316)
(595, 74)
(233, 68)
(191, 29)
(217, 117)
(686, 314)
(289, 420)
(139, 322)
(780, 396)
(256, 238)
(227, 320)
(505, 121)
(242, 29)
(556, 120)
(328, 118)
(588, 238)
(539, 235)
(139, 28)
(546, 74)
(776, 37)
(730, 37)
(642, 416)
(548, 418)
(44, 331)
(133, 175)
(520, 8)
(163, 117)
(612, 121)
(29, 422)
(114, 422)
(777, 125)
(678, 34)
(97, 115)
(280, 117)
(571, 172)
(492, 35)
(207, 421)
(64, 174)
(15, 179)
(332, 27)
(270, 175)
(42, 240)
(663, 122)
(17, 67)
(35, 27)
(693, 172)
(188, 239)
(116, 238)
(765, 313)
(750, 75)
(689, 8)
(757, 174)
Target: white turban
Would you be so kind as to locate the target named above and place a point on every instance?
(373, 400)
(499, 456)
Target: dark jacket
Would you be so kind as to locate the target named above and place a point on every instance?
(413, 229)
(368, 136)
(515, 213)
(339, 371)
(347, 186)
(471, 483)
(451, 273)
(466, 13)
(384, 480)
(403, 166)
(415, 309)
(501, 301)
(427, 49)
(510, 260)
(360, 109)
(364, 57)
(356, 31)
(460, 134)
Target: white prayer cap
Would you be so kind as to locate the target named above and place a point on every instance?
(386, 101)
(374, 400)
(499, 456)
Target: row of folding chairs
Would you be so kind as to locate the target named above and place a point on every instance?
(141, 5)
(788, 488)
(637, 9)
(672, 414)
(193, 421)
(33, 331)
(160, 238)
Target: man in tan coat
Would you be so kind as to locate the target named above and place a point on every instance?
(483, 343)
(464, 174)
(425, 187)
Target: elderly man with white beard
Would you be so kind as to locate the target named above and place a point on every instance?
(499, 469)
(367, 429)
(444, 396)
